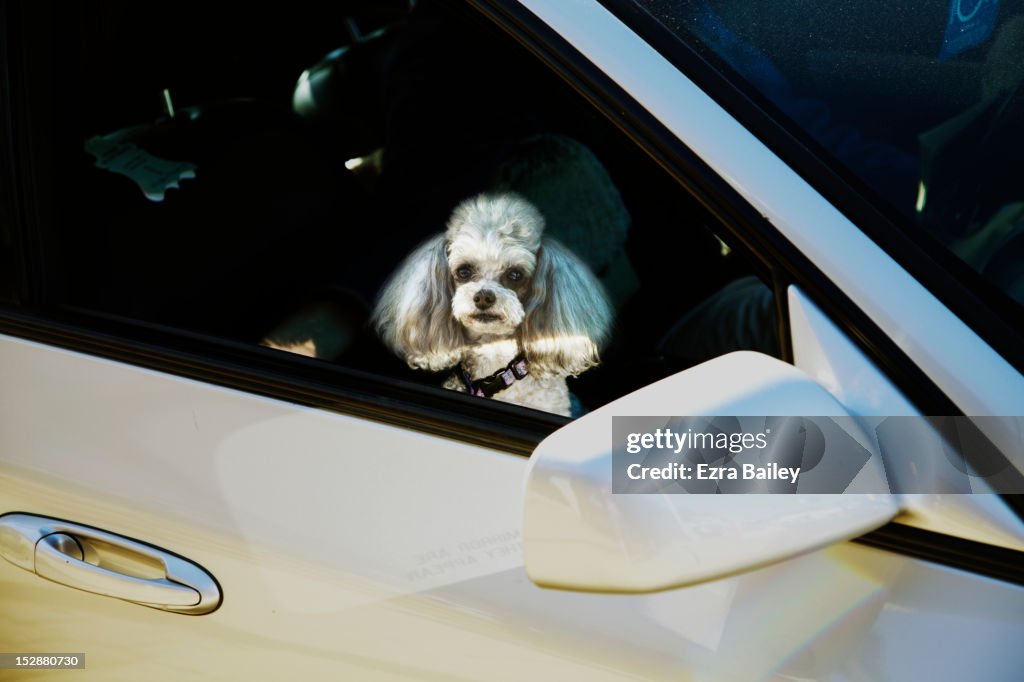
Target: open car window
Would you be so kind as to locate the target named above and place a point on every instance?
(258, 179)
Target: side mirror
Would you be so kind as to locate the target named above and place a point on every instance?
(579, 535)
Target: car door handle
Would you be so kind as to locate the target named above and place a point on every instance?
(61, 558)
(93, 560)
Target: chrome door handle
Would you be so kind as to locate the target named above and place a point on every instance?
(93, 560)
(56, 561)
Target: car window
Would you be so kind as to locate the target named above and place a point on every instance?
(918, 104)
(261, 179)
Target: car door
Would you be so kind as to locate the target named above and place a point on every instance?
(348, 549)
(357, 528)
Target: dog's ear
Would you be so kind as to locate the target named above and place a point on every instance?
(568, 317)
(413, 315)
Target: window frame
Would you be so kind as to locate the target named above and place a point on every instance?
(744, 221)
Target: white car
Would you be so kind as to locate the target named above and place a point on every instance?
(179, 502)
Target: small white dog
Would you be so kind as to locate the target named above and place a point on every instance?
(513, 312)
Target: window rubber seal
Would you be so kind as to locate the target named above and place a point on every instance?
(292, 378)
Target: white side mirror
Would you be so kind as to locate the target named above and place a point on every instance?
(579, 535)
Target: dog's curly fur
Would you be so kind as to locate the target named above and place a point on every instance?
(490, 287)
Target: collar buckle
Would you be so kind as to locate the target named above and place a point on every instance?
(488, 386)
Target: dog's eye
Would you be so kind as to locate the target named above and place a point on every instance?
(463, 272)
(514, 275)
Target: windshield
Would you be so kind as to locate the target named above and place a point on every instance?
(919, 100)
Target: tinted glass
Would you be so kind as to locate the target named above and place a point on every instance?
(918, 102)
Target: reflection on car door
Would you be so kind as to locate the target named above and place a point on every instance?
(347, 549)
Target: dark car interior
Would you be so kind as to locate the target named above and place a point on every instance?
(301, 153)
(917, 105)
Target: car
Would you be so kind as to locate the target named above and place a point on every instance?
(799, 210)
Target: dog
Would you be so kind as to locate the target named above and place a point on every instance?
(512, 312)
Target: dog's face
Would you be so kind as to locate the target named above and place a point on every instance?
(492, 259)
(494, 275)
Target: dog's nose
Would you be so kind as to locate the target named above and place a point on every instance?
(484, 299)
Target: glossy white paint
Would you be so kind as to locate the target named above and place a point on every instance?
(577, 534)
(351, 550)
(933, 337)
(332, 538)
(825, 353)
